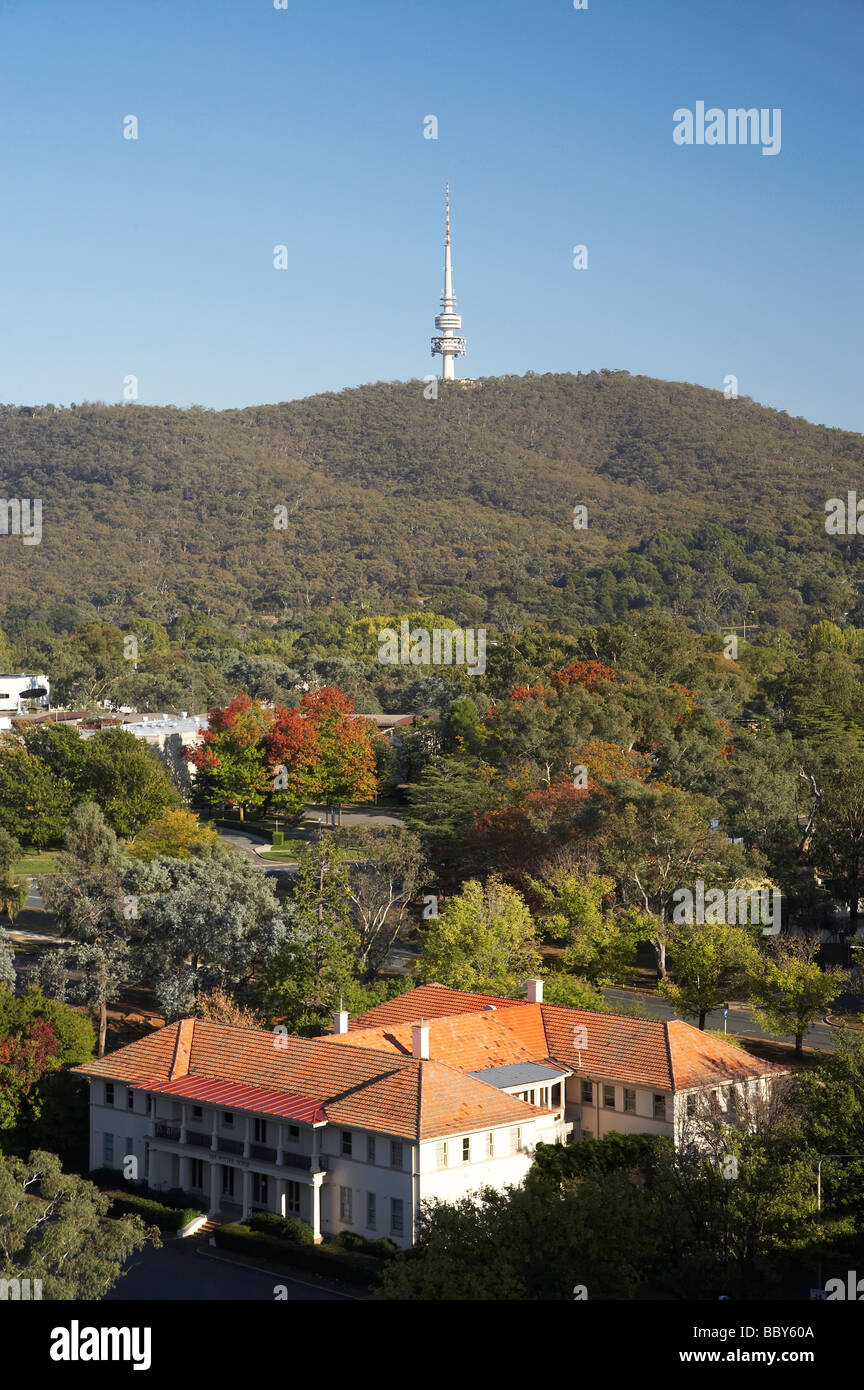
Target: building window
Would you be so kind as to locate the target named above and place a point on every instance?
(293, 1134)
(629, 1101)
(466, 1149)
(197, 1112)
(395, 1153)
(691, 1106)
(396, 1219)
(259, 1130)
(259, 1189)
(149, 1105)
(108, 1149)
(345, 1204)
(109, 1092)
(556, 1096)
(441, 1154)
(659, 1107)
(130, 1098)
(732, 1101)
(346, 1142)
(490, 1145)
(130, 1148)
(370, 1149)
(228, 1119)
(292, 1197)
(516, 1139)
(609, 1097)
(587, 1092)
(370, 1211)
(197, 1173)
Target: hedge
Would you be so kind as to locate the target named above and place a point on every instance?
(288, 1228)
(110, 1178)
(331, 1260)
(168, 1219)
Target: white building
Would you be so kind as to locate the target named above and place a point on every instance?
(168, 735)
(21, 692)
(343, 1137)
(433, 1094)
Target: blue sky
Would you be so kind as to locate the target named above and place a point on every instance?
(304, 127)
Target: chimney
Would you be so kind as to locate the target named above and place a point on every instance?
(534, 990)
(182, 1048)
(340, 1021)
(420, 1041)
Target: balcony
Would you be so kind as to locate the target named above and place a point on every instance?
(261, 1151)
(199, 1141)
(229, 1146)
(163, 1131)
(296, 1161)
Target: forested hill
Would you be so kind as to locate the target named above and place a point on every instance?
(702, 505)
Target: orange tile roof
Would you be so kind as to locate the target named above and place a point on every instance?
(667, 1054)
(624, 1049)
(698, 1059)
(429, 1001)
(353, 1085)
(468, 1041)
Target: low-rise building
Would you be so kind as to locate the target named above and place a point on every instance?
(434, 1094)
(22, 692)
(346, 1138)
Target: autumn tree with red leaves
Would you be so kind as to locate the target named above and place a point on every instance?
(344, 768)
(231, 755)
(25, 1057)
(291, 750)
(588, 674)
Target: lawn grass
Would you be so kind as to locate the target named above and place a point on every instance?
(285, 855)
(37, 862)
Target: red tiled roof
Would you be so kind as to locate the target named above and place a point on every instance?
(355, 1085)
(468, 1041)
(669, 1055)
(237, 1097)
(698, 1059)
(429, 1001)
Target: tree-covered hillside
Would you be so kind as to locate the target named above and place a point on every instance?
(710, 508)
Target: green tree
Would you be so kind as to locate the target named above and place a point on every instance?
(526, 1244)
(206, 922)
(789, 990)
(33, 806)
(482, 940)
(318, 960)
(599, 945)
(655, 839)
(129, 781)
(54, 1226)
(710, 960)
(87, 896)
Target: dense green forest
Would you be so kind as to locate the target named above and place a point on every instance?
(264, 548)
(702, 505)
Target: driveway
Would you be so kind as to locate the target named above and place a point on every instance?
(189, 1271)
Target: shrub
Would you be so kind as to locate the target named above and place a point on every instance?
(381, 1249)
(331, 1260)
(278, 839)
(168, 1219)
(288, 1228)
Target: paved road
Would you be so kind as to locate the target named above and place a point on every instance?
(740, 1018)
(186, 1271)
